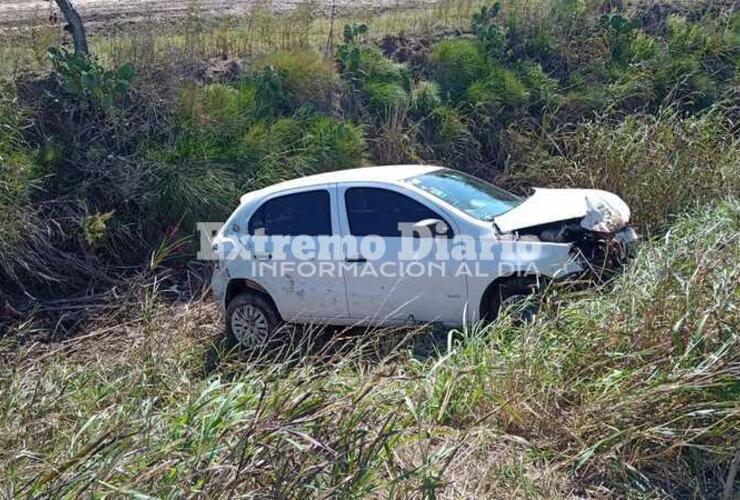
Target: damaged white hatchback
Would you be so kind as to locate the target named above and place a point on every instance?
(403, 244)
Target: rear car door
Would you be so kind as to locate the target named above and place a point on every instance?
(289, 274)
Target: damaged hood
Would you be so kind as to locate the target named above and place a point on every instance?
(599, 211)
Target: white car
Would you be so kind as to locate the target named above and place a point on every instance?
(402, 244)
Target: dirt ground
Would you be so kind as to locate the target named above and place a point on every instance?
(23, 12)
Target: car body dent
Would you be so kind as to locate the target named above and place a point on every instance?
(600, 210)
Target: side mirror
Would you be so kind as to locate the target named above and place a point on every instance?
(431, 228)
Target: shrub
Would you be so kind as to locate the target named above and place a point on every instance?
(542, 88)
(349, 53)
(500, 88)
(266, 137)
(380, 83)
(448, 139)
(289, 147)
(286, 133)
(95, 229)
(634, 91)
(193, 191)
(425, 98)
(579, 105)
(374, 67)
(86, 79)
(680, 77)
(620, 33)
(643, 48)
(330, 144)
(449, 125)
(490, 36)
(306, 77)
(217, 110)
(540, 46)
(683, 37)
(455, 64)
(385, 85)
(384, 97)
(271, 97)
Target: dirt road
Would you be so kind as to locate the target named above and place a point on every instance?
(20, 12)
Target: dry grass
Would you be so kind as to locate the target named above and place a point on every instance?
(259, 31)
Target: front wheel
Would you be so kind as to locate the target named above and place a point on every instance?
(251, 320)
(515, 294)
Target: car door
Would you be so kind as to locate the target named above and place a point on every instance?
(290, 271)
(375, 296)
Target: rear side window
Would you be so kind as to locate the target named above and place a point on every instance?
(376, 211)
(307, 213)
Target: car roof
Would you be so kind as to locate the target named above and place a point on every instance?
(386, 173)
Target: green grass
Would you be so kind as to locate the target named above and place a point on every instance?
(456, 64)
(660, 164)
(633, 389)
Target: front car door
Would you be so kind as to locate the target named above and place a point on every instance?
(387, 288)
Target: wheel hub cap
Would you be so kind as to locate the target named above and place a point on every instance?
(249, 326)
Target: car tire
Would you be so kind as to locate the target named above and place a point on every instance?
(512, 291)
(252, 321)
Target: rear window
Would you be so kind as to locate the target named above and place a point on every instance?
(307, 213)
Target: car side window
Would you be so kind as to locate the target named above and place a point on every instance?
(378, 212)
(299, 214)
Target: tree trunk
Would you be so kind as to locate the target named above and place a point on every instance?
(74, 24)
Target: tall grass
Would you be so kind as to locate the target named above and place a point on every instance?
(660, 164)
(632, 391)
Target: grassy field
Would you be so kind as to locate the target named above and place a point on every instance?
(113, 376)
(628, 391)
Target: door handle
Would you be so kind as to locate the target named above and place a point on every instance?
(356, 260)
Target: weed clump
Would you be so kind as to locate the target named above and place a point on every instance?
(217, 110)
(426, 98)
(306, 78)
(455, 65)
(500, 87)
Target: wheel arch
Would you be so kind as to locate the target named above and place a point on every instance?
(486, 301)
(238, 286)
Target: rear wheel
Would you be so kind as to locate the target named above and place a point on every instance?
(251, 320)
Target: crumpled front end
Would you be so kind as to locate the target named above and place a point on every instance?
(607, 239)
(595, 224)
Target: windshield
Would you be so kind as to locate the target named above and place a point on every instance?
(473, 196)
